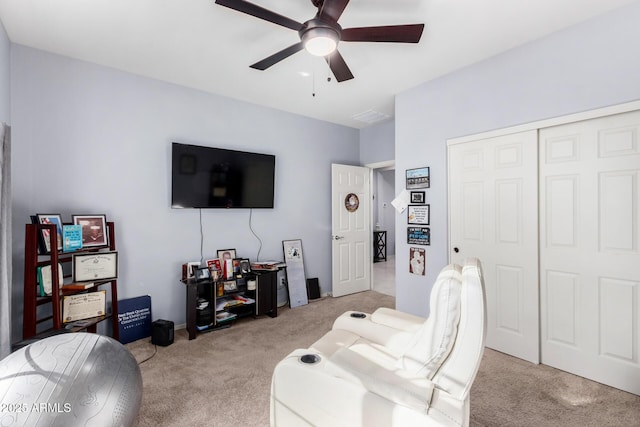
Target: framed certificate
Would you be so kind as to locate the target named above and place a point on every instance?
(83, 306)
(95, 266)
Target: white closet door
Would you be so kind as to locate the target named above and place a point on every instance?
(493, 207)
(590, 249)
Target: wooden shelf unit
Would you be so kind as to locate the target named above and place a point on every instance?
(32, 301)
(265, 296)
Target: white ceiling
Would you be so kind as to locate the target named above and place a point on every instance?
(202, 45)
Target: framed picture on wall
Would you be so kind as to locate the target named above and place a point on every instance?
(418, 214)
(418, 236)
(418, 178)
(417, 197)
(417, 260)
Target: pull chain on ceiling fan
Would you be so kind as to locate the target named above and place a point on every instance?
(320, 35)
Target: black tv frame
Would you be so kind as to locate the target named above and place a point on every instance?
(219, 178)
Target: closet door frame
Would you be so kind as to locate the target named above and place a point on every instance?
(629, 290)
(533, 126)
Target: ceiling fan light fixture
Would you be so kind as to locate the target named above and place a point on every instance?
(320, 46)
(320, 41)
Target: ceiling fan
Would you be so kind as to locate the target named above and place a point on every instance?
(321, 34)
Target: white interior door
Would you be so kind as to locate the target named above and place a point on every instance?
(493, 216)
(590, 249)
(351, 229)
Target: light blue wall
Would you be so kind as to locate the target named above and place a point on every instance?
(377, 143)
(5, 72)
(591, 65)
(90, 139)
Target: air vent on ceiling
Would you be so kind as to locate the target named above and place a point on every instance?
(370, 116)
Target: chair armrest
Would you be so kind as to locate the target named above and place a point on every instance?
(389, 328)
(397, 319)
(398, 386)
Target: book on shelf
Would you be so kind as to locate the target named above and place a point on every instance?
(265, 265)
(225, 316)
(78, 286)
(45, 280)
(224, 303)
(79, 324)
(233, 303)
(71, 238)
(244, 300)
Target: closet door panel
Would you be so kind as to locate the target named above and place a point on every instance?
(493, 216)
(589, 250)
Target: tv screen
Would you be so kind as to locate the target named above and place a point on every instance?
(207, 177)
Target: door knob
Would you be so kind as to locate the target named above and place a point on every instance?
(456, 250)
(338, 237)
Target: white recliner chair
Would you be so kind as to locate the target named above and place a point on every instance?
(390, 368)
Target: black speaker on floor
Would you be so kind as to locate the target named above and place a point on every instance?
(313, 288)
(162, 332)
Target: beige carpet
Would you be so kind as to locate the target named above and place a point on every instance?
(222, 378)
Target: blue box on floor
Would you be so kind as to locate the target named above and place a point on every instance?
(134, 318)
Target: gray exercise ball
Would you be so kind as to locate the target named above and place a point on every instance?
(76, 379)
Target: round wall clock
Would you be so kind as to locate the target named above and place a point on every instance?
(351, 202)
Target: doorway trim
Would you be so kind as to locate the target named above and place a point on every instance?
(374, 167)
(386, 165)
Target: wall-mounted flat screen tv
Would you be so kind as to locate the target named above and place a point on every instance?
(207, 177)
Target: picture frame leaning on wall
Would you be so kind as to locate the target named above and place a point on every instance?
(296, 276)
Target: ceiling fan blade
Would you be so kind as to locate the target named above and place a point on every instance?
(332, 9)
(392, 33)
(260, 12)
(338, 66)
(277, 57)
